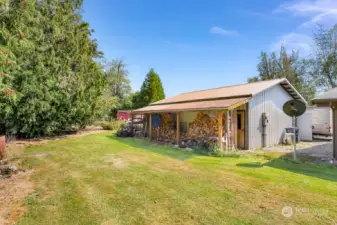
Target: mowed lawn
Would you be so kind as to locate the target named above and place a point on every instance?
(101, 179)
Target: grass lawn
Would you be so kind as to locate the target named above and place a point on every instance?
(101, 179)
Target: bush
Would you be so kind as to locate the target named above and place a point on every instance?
(112, 125)
(223, 153)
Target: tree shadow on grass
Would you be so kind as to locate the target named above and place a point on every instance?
(166, 150)
(250, 165)
(304, 165)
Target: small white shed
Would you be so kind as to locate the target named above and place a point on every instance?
(330, 99)
(304, 123)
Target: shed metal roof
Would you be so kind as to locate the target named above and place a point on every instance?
(193, 106)
(249, 89)
(217, 98)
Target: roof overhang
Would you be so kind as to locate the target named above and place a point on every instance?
(327, 99)
(288, 87)
(292, 91)
(216, 104)
(325, 102)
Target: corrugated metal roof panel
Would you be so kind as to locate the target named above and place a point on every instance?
(191, 106)
(223, 92)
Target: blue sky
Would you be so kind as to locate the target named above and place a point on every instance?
(196, 45)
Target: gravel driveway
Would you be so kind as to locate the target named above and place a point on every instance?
(321, 149)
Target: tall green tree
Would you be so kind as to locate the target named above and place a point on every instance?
(10, 38)
(151, 91)
(289, 66)
(117, 93)
(56, 79)
(118, 80)
(325, 62)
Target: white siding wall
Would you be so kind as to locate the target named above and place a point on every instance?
(271, 102)
(304, 123)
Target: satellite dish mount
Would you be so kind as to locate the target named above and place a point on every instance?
(294, 108)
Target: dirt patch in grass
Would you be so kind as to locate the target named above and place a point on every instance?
(13, 192)
(172, 165)
(15, 148)
(115, 162)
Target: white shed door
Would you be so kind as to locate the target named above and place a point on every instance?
(304, 123)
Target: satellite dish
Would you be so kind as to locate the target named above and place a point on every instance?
(294, 108)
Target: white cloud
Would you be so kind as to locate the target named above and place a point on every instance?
(312, 12)
(310, 6)
(294, 41)
(322, 12)
(221, 31)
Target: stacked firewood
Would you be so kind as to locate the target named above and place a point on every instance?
(202, 132)
(166, 131)
(203, 126)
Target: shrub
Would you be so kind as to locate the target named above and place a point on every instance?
(217, 152)
(112, 125)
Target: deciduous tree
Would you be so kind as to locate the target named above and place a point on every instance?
(325, 62)
(118, 80)
(289, 66)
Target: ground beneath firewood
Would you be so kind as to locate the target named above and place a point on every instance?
(15, 190)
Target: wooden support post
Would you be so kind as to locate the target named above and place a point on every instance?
(220, 126)
(144, 124)
(178, 128)
(228, 130)
(334, 131)
(150, 126)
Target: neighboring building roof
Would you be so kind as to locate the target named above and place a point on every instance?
(329, 97)
(222, 97)
(192, 106)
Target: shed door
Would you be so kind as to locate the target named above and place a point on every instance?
(304, 123)
(241, 129)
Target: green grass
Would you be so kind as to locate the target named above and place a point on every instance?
(100, 179)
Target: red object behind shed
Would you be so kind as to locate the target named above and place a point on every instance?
(123, 115)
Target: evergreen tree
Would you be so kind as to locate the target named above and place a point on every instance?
(56, 80)
(151, 91)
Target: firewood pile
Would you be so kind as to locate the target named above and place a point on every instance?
(167, 130)
(202, 133)
(201, 143)
(126, 131)
(203, 126)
